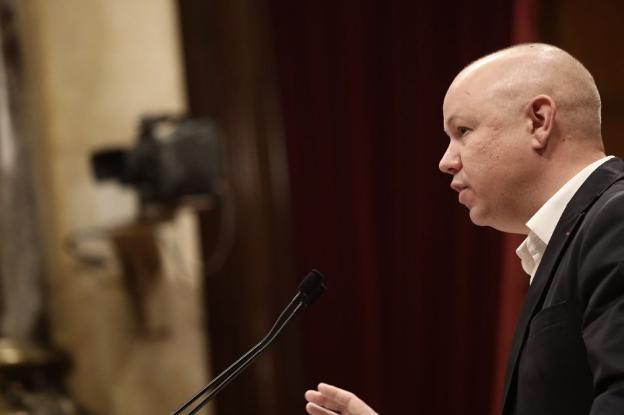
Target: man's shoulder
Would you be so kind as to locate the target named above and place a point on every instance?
(603, 226)
(600, 237)
(609, 201)
(609, 204)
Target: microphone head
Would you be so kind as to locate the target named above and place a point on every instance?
(311, 287)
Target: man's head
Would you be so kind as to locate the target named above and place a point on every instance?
(521, 122)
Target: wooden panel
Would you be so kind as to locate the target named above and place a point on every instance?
(230, 78)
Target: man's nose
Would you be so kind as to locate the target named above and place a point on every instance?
(450, 162)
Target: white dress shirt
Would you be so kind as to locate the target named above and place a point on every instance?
(542, 224)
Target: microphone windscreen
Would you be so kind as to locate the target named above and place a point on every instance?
(311, 287)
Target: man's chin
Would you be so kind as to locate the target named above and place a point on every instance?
(478, 213)
(477, 217)
(480, 218)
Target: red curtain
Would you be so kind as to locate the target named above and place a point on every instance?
(412, 314)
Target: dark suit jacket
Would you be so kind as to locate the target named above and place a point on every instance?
(567, 356)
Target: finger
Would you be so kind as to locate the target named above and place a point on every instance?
(345, 399)
(321, 400)
(314, 409)
(340, 396)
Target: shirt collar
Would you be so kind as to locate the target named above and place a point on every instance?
(542, 224)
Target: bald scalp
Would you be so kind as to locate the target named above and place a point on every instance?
(517, 74)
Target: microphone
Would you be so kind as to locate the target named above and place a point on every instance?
(309, 290)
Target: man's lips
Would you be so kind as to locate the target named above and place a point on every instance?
(458, 186)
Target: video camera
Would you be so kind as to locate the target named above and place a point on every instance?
(173, 157)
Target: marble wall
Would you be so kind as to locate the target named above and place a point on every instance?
(91, 70)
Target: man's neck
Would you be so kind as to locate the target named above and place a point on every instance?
(554, 177)
(559, 174)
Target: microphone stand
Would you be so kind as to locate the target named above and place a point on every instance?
(311, 287)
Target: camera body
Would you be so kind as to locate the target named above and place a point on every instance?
(184, 160)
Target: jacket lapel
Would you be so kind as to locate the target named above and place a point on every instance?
(596, 184)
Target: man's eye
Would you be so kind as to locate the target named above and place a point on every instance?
(462, 130)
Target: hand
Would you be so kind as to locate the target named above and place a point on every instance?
(329, 400)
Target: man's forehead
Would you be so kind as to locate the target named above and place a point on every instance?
(465, 102)
(484, 81)
(457, 109)
(459, 96)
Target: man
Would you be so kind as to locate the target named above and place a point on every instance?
(526, 156)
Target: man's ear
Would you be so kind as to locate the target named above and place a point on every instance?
(541, 111)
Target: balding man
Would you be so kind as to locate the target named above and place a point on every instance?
(527, 157)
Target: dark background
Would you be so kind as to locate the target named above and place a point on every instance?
(333, 116)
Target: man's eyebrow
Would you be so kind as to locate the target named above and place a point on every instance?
(445, 123)
(458, 118)
(450, 120)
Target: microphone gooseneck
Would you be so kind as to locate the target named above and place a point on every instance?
(310, 289)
